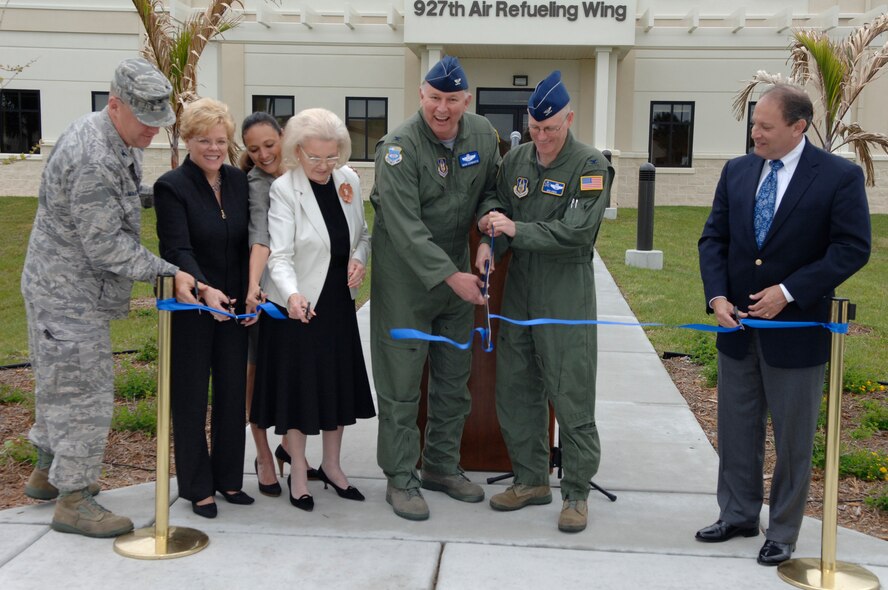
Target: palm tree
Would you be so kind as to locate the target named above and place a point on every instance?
(176, 49)
(838, 71)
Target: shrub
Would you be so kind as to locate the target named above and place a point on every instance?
(14, 395)
(875, 415)
(18, 449)
(705, 354)
(135, 383)
(142, 416)
(148, 352)
(866, 465)
(878, 502)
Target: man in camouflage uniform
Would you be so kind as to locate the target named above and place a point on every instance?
(83, 255)
(552, 193)
(431, 173)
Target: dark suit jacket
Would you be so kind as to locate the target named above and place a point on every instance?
(193, 234)
(820, 236)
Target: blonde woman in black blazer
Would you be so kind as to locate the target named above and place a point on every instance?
(310, 375)
(202, 219)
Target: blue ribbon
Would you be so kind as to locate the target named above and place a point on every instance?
(173, 305)
(411, 334)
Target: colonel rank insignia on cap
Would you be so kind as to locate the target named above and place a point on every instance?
(447, 75)
(548, 98)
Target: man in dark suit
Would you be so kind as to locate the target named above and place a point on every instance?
(789, 223)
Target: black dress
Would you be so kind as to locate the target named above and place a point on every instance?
(312, 376)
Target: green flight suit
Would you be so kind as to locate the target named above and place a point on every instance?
(557, 212)
(426, 199)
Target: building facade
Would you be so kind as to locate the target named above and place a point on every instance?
(650, 80)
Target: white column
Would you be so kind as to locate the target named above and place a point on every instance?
(605, 94)
(430, 57)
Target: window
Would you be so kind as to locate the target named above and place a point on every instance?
(750, 145)
(99, 100)
(672, 134)
(367, 122)
(279, 107)
(19, 121)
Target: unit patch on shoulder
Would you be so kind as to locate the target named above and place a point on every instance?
(521, 187)
(553, 187)
(393, 155)
(591, 183)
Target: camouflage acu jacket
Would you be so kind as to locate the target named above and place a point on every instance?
(84, 251)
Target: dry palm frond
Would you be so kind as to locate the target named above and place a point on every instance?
(742, 97)
(176, 50)
(837, 72)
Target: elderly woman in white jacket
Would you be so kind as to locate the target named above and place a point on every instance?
(310, 374)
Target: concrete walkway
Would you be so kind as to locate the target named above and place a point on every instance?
(655, 458)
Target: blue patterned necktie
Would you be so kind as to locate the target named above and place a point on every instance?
(764, 203)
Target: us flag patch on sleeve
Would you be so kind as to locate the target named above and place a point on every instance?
(591, 183)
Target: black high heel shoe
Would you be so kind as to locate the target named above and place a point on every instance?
(267, 489)
(282, 456)
(349, 493)
(304, 502)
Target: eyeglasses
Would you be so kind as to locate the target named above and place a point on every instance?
(315, 160)
(549, 129)
(206, 142)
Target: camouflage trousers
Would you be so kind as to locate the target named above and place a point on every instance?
(73, 394)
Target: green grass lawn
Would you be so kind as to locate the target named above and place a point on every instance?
(674, 295)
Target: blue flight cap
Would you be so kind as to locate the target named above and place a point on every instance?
(447, 75)
(548, 98)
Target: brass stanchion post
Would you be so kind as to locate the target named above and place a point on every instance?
(826, 573)
(162, 541)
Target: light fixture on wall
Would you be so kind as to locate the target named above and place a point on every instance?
(519, 80)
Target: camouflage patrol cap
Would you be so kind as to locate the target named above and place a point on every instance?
(146, 91)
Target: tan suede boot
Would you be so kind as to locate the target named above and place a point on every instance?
(39, 488)
(519, 495)
(79, 513)
(457, 486)
(573, 516)
(407, 503)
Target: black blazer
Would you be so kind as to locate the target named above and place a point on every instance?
(819, 237)
(193, 233)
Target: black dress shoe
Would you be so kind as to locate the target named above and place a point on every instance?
(722, 531)
(775, 553)
(283, 456)
(349, 493)
(304, 502)
(207, 510)
(238, 497)
(267, 489)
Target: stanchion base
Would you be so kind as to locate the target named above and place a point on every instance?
(806, 573)
(141, 543)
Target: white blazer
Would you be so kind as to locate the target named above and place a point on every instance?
(300, 244)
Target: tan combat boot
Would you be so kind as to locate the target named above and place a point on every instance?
(79, 513)
(39, 488)
(519, 495)
(457, 486)
(407, 503)
(573, 516)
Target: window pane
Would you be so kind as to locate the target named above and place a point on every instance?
(99, 101)
(672, 127)
(376, 109)
(376, 129)
(283, 107)
(357, 107)
(504, 97)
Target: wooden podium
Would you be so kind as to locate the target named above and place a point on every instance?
(483, 447)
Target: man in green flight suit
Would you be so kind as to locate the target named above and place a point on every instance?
(551, 196)
(431, 174)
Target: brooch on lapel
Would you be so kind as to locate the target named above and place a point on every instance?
(345, 192)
